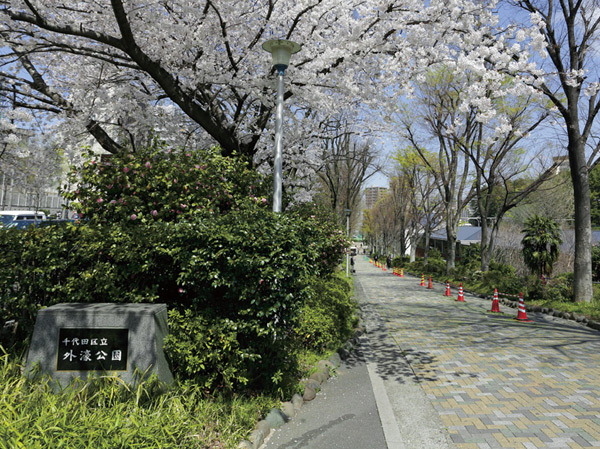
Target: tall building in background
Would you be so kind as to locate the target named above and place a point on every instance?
(372, 195)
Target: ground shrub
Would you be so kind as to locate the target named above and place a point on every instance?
(401, 261)
(435, 266)
(416, 267)
(327, 318)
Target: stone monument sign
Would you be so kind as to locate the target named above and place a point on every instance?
(75, 340)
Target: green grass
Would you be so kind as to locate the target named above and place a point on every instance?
(590, 310)
(105, 413)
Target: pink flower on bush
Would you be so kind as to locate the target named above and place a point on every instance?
(264, 200)
(154, 213)
(125, 169)
(133, 216)
(148, 164)
(113, 201)
(99, 200)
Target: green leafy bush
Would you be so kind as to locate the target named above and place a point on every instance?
(416, 267)
(503, 278)
(206, 349)
(596, 263)
(435, 266)
(401, 261)
(236, 263)
(327, 318)
(470, 258)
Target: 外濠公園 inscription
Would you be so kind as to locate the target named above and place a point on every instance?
(92, 349)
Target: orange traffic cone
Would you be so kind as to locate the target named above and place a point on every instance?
(522, 315)
(401, 272)
(448, 293)
(461, 297)
(430, 284)
(422, 280)
(495, 302)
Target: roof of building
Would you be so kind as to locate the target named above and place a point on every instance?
(467, 235)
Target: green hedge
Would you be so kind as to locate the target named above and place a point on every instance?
(191, 229)
(327, 318)
(250, 267)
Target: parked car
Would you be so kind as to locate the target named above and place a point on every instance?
(20, 218)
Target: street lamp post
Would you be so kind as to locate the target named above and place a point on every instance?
(348, 212)
(281, 51)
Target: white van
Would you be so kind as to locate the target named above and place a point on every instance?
(20, 218)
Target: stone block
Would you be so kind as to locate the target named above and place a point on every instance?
(264, 426)
(77, 340)
(335, 359)
(257, 437)
(276, 418)
(309, 394)
(297, 401)
(288, 409)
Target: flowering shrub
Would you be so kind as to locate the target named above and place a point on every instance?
(156, 184)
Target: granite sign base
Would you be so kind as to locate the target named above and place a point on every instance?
(73, 341)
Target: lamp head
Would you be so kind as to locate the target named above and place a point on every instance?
(281, 51)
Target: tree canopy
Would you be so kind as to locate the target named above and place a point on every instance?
(120, 70)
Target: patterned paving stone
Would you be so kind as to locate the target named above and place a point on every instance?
(495, 382)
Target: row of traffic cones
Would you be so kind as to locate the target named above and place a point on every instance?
(521, 316)
(522, 313)
(399, 272)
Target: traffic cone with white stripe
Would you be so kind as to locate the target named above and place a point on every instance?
(448, 293)
(522, 315)
(430, 283)
(461, 296)
(422, 280)
(495, 303)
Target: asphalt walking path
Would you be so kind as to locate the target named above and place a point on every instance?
(434, 373)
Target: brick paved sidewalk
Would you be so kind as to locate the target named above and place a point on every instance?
(495, 382)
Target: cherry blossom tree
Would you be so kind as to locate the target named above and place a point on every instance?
(119, 68)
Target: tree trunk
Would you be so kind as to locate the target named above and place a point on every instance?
(451, 261)
(582, 283)
(451, 240)
(426, 245)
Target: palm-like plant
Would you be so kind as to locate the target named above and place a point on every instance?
(541, 244)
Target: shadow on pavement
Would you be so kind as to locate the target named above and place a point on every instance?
(306, 437)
